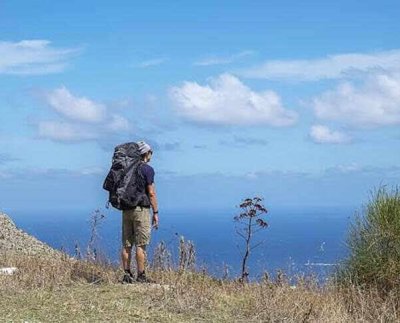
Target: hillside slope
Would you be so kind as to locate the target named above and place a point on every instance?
(14, 240)
(62, 289)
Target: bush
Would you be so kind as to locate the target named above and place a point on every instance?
(374, 244)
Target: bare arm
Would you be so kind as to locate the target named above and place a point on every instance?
(154, 205)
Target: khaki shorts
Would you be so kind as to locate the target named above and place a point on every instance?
(136, 227)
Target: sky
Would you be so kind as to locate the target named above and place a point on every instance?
(296, 102)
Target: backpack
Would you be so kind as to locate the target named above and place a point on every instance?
(124, 182)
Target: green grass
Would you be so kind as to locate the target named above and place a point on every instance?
(374, 244)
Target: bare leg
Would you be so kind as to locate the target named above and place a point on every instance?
(140, 258)
(126, 255)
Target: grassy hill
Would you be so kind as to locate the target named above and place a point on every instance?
(66, 290)
(63, 289)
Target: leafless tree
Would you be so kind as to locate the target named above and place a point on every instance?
(249, 223)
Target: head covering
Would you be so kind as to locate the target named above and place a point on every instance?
(143, 147)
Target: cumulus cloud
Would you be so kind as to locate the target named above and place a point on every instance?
(374, 103)
(30, 57)
(330, 67)
(75, 108)
(323, 135)
(227, 101)
(81, 119)
(222, 60)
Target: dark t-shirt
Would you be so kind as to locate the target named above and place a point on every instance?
(148, 174)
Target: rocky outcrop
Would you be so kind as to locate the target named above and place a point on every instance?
(14, 240)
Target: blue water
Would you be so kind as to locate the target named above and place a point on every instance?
(297, 241)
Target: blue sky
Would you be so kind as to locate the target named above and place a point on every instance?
(296, 102)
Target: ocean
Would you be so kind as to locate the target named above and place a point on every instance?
(297, 241)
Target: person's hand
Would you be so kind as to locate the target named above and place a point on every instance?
(154, 221)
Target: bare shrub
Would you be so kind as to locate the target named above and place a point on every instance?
(250, 221)
(92, 252)
(162, 258)
(187, 255)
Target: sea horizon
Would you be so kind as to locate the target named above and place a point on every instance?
(306, 240)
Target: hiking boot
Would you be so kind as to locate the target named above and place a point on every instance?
(141, 278)
(128, 279)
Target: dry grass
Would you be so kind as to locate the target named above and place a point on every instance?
(65, 290)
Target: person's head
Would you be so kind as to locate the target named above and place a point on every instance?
(145, 151)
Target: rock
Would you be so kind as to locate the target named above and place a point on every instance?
(14, 240)
(8, 271)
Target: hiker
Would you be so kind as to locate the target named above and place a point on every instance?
(130, 183)
(136, 228)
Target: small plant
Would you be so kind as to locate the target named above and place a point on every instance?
(77, 251)
(187, 255)
(374, 244)
(95, 221)
(249, 223)
(162, 258)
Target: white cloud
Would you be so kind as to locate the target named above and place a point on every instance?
(63, 131)
(92, 171)
(226, 100)
(118, 123)
(151, 62)
(240, 142)
(323, 135)
(374, 103)
(81, 119)
(346, 169)
(330, 67)
(75, 108)
(30, 57)
(51, 173)
(221, 60)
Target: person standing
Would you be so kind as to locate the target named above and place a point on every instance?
(136, 224)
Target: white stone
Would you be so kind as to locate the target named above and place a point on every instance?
(8, 271)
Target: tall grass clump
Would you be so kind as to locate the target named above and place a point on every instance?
(374, 244)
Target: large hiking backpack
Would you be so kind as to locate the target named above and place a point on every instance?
(124, 182)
